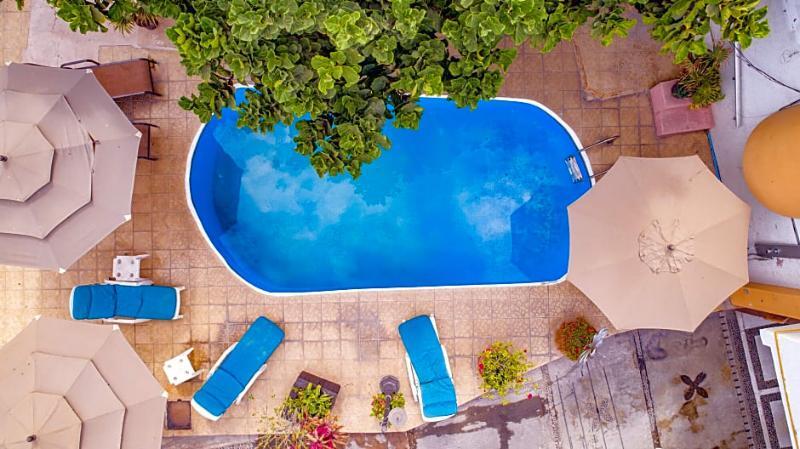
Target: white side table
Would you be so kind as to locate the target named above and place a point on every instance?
(128, 268)
(179, 369)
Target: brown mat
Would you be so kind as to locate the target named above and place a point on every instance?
(628, 66)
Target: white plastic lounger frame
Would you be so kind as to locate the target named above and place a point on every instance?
(116, 320)
(416, 390)
(208, 415)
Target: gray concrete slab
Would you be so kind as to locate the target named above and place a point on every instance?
(684, 418)
(603, 404)
(483, 423)
(629, 396)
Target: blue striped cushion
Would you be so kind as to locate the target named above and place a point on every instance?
(234, 373)
(98, 301)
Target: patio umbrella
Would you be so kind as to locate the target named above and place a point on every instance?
(73, 385)
(67, 164)
(658, 243)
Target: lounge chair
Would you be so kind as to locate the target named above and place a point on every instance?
(125, 304)
(428, 369)
(237, 369)
(120, 79)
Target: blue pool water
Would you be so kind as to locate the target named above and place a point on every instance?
(471, 198)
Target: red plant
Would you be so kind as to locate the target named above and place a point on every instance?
(323, 433)
(574, 337)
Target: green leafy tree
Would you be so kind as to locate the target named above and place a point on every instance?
(682, 25)
(347, 67)
(122, 15)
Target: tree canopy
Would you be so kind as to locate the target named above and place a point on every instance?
(346, 68)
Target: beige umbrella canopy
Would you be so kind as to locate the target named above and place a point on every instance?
(658, 243)
(73, 385)
(67, 164)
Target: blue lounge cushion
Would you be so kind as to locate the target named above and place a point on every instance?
(92, 302)
(147, 301)
(239, 366)
(99, 301)
(439, 398)
(425, 351)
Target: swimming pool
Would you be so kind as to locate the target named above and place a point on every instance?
(471, 198)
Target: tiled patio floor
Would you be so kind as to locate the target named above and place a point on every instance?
(348, 338)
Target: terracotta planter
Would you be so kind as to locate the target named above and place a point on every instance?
(673, 116)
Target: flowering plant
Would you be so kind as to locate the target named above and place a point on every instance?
(574, 337)
(379, 404)
(322, 433)
(502, 368)
(281, 432)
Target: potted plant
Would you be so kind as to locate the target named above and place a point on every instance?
(308, 402)
(681, 105)
(700, 78)
(574, 337)
(502, 369)
(382, 404)
(310, 396)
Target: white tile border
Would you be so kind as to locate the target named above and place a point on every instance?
(570, 131)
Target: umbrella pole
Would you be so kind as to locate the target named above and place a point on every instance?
(3, 158)
(31, 438)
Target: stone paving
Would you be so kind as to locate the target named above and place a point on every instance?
(349, 338)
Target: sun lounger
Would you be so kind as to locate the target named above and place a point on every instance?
(120, 79)
(125, 304)
(428, 369)
(237, 369)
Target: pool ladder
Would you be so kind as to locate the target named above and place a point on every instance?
(572, 162)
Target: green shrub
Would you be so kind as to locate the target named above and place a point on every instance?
(574, 337)
(682, 25)
(311, 402)
(378, 405)
(700, 78)
(502, 369)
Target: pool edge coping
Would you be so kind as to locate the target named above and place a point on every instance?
(199, 223)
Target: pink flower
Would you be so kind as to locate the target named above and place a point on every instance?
(323, 431)
(316, 445)
(530, 396)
